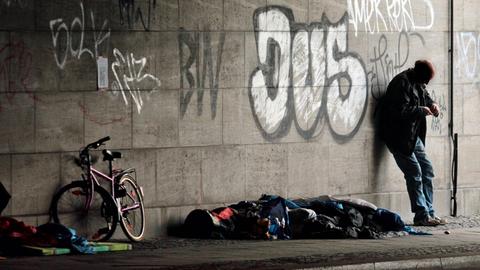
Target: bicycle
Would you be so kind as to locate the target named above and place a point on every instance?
(93, 211)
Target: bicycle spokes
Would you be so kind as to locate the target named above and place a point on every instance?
(79, 193)
(94, 216)
(132, 216)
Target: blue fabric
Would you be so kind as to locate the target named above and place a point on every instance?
(412, 231)
(418, 172)
(65, 237)
(274, 208)
(389, 220)
(80, 244)
(335, 204)
(289, 203)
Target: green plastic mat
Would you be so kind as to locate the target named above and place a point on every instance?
(98, 247)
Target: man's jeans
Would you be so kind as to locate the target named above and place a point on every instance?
(418, 172)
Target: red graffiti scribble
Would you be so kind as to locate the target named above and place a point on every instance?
(15, 67)
(95, 119)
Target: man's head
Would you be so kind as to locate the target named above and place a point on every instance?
(424, 71)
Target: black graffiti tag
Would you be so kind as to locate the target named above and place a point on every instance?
(196, 52)
(131, 13)
(385, 65)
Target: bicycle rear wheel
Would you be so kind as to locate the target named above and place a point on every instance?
(132, 215)
(95, 223)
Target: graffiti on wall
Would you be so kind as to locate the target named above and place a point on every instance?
(15, 68)
(385, 65)
(199, 70)
(14, 3)
(305, 73)
(131, 14)
(131, 78)
(66, 43)
(389, 15)
(468, 54)
(440, 99)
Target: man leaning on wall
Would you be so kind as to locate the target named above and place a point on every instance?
(403, 127)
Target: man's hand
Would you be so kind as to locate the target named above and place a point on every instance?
(426, 111)
(435, 109)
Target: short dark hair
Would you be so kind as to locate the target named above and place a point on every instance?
(424, 70)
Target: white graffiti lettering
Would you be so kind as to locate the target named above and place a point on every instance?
(388, 15)
(311, 68)
(57, 26)
(343, 111)
(271, 111)
(468, 54)
(130, 78)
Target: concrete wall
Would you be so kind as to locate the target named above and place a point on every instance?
(216, 101)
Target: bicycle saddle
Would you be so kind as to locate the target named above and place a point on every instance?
(110, 156)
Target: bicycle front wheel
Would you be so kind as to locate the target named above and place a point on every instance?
(132, 215)
(95, 222)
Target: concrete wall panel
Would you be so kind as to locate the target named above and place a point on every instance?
(201, 123)
(36, 68)
(238, 14)
(106, 115)
(267, 170)
(334, 10)
(59, 122)
(69, 170)
(470, 18)
(35, 178)
(232, 72)
(179, 176)
(220, 185)
(385, 176)
(201, 14)
(168, 61)
(468, 151)
(145, 15)
(470, 106)
(437, 149)
(18, 118)
(238, 123)
(157, 123)
(10, 11)
(348, 168)
(299, 8)
(308, 170)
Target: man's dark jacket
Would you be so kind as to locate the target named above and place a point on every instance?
(401, 118)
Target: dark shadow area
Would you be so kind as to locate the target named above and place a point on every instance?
(379, 148)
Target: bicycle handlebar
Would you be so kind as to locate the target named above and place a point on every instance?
(96, 144)
(102, 140)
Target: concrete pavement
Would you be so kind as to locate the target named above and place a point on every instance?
(460, 249)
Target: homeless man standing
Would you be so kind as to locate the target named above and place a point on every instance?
(403, 127)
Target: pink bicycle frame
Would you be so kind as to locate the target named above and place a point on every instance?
(93, 180)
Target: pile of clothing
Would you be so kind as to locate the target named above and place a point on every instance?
(273, 217)
(14, 235)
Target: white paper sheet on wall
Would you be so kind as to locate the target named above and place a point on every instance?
(102, 73)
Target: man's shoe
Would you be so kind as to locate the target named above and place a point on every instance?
(440, 220)
(428, 221)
